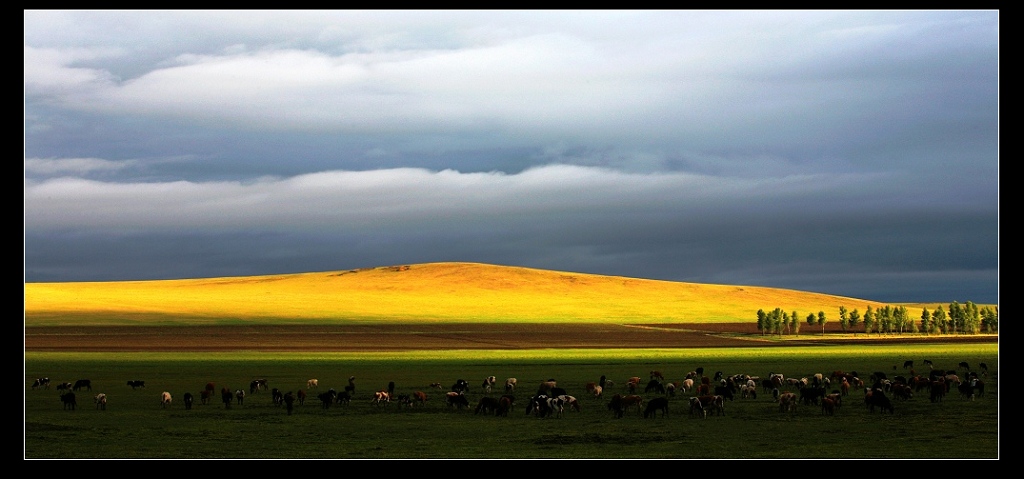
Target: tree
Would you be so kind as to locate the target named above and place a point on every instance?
(939, 323)
(844, 318)
(990, 319)
(811, 318)
(821, 321)
(869, 321)
(777, 321)
(925, 320)
(762, 321)
(883, 317)
(854, 320)
(794, 323)
(956, 317)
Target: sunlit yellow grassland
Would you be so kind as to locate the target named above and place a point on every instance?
(440, 292)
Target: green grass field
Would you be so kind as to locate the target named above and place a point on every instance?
(135, 426)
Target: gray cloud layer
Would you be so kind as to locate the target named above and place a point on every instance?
(853, 153)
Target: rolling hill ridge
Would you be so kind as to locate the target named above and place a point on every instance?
(431, 292)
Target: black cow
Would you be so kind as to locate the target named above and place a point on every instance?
(41, 382)
(226, 397)
(878, 398)
(811, 395)
(724, 391)
(655, 405)
(655, 385)
(327, 398)
(187, 398)
(615, 405)
(908, 364)
(137, 384)
(256, 385)
(965, 366)
(460, 386)
(68, 399)
(487, 405)
(289, 399)
(457, 400)
(343, 398)
(82, 383)
(277, 396)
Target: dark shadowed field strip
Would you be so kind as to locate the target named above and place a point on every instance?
(406, 337)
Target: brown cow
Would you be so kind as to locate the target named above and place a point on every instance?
(828, 406)
(420, 397)
(633, 400)
(787, 402)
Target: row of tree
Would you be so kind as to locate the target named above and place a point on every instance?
(961, 319)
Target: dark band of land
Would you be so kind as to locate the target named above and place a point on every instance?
(440, 336)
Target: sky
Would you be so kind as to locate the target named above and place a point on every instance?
(852, 152)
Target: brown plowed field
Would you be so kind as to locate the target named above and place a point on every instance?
(408, 337)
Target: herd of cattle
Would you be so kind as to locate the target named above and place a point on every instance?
(707, 395)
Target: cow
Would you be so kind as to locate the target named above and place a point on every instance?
(381, 398)
(615, 405)
(240, 396)
(351, 387)
(963, 365)
(571, 402)
(82, 383)
(68, 399)
(811, 395)
(187, 398)
(597, 391)
(277, 396)
(209, 389)
(327, 398)
(420, 397)
(697, 408)
(137, 384)
(461, 386)
(878, 398)
(489, 383)
(687, 385)
(256, 385)
(510, 385)
(724, 391)
(632, 384)
(226, 397)
(633, 400)
(937, 391)
(301, 397)
(487, 405)
(657, 375)
(713, 403)
(828, 406)
(787, 402)
(435, 386)
(204, 396)
(289, 401)
(978, 385)
(654, 385)
(747, 391)
(403, 400)
(966, 390)
(551, 405)
(909, 364)
(312, 384)
(41, 382)
(655, 405)
(504, 406)
(343, 398)
(456, 400)
(165, 399)
(101, 401)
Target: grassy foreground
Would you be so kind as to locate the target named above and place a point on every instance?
(448, 292)
(135, 426)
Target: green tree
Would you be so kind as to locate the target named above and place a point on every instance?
(956, 317)
(939, 323)
(794, 323)
(762, 321)
(899, 318)
(925, 320)
(777, 321)
(844, 318)
(989, 319)
(785, 322)
(811, 318)
(910, 321)
(854, 320)
(883, 317)
(869, 321)
(821, 321)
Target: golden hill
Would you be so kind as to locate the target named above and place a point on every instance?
(438, 292)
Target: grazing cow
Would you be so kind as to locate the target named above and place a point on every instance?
(704, 390)
(633, 400)
(256, 385)
(787, 402)
(240, 396)
(487, 405)
(615, 405)
(878, 398)
(327, 398)
(344, 398)
(210, 388)
(289, 401)
(697, 408)
(714, 404)
(811, 395)
(435, 386)
(226, 397)
(420, 397)
(901, 391)
(553, 405)
(965, 366)
(590, 387)
(966, 390)
(510, 385)
(101, 401)
(403, 400)
(632, 384)
(301, 397)
(748, 391)
(598, 391)
(312, 384)
(937, 391)
(504, 406)
(654, 385)
(457, 400)
(657, 375)
(64, 387)
(978, 385)
(724, 391)
(547, 387)
(137, 384)
(165, 399)
(908, 364)
(69, 401)
(277, 396)
(982, 366)
(82, 383)
(837, 399)
(571, 402)
(687, 385)
(41, 382)
(828, 406)
(187, 398)
(460, 386)
(204, 396)
(489, 383)
(655, 405)
(381, 398)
